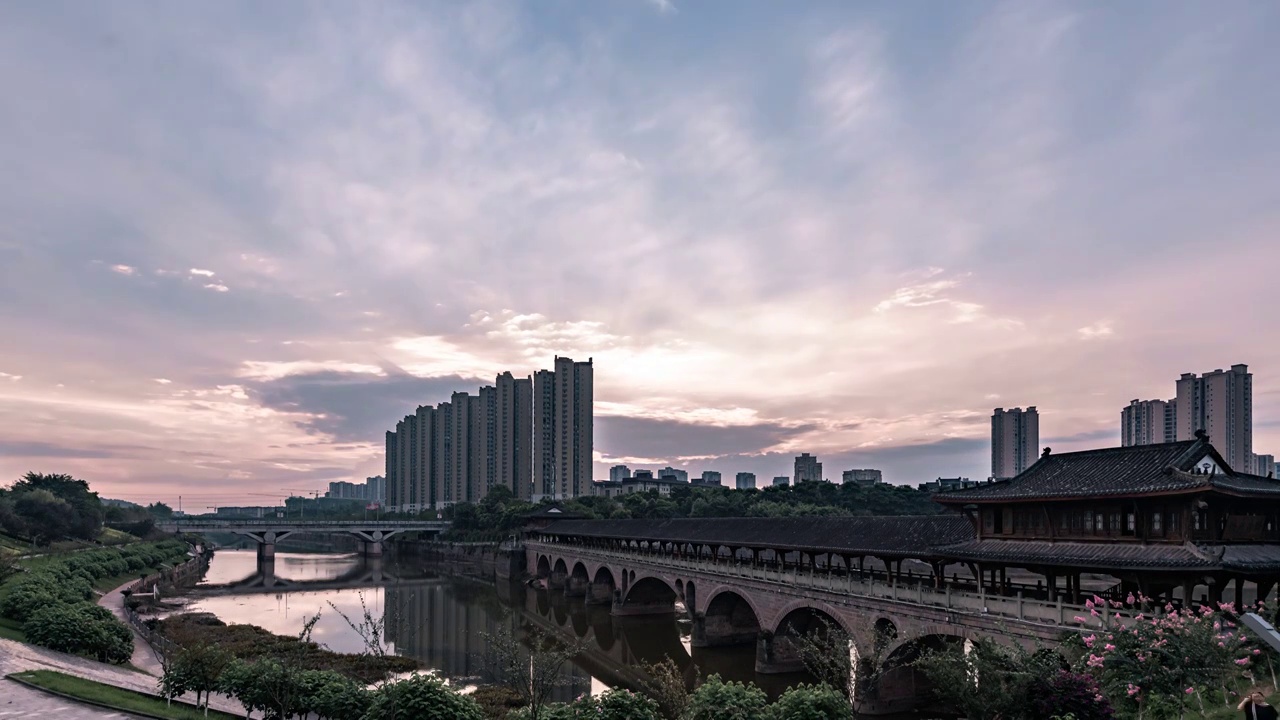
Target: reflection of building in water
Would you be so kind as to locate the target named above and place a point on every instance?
(431, 623)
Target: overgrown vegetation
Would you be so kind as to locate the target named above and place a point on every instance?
(50, 601)
(499, 514)
(251, 643)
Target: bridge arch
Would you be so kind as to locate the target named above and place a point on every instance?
(560, 568)
(780, 651)
(730, 618)
(544, 566)
(647, 595)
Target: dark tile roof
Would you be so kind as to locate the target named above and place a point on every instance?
(1101, 556)
(1133, 470)
(1246, 483)
(552, 512)
(905, 536)
(1250, 557)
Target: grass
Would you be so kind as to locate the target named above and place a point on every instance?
(114, 697)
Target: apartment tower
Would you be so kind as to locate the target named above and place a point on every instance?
(1148, 422)
(563, 438)
(745, 481)
(1015, 435)
(390, 470)
(1221, 404)
(807, 469)
(514, 444)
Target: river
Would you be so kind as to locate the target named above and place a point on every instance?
(443, 621)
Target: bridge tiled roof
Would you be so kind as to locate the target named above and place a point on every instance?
(1102, 556)
(896, 537)
(1116, 555)
(1162, 468)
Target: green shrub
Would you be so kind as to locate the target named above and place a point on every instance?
(718, 700)
(82, 629)
(334, 696)
(617, 705)
(421, 697)
(809, 702)
(29, 594)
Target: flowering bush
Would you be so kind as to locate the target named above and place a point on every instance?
(1158, 663)
(1070, 694)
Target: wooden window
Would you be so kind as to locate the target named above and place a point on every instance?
(1088, 521)
(1064, 521)
(1114, 527)
(1173, 522)
(1130, 522)
(1157, 527)
(988, 521)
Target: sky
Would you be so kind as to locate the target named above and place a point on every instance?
(239, 240)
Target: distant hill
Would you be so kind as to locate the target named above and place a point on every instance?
(120, 503)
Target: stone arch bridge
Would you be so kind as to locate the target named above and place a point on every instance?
(768, 582)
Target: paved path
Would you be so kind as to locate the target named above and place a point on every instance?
(144, 658)
(16, 657)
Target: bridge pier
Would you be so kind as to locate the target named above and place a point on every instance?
(371, 548)
(556, 580)
(721, 630)
(777, 654)
(266, 552)
(576, 586)
(600, 593)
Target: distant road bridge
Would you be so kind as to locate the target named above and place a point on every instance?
(267, 532)
(767, 582)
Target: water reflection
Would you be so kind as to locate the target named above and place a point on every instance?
(444, 621)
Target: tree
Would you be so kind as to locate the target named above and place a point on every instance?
(87, 514)
(989, 681)
(809, 702)
(421, 697)
(46, 518)
(718, 700)
(667, 685)
(194, 669)
(160, 510)
(533, 673)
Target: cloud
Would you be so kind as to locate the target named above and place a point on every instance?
(163, 381)
(663, 6)
(38, 449)
(843, 248)
(354, 406)
(1096, 331)
(622, 437)
(10, 377)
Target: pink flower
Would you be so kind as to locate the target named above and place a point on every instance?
(1190, 690)
(1129, 599)
(1079, 619)
(1088, 640)
(1109, 647)
(1256, 651)
(1133, 689)
(1088, 604)
(1243, 661)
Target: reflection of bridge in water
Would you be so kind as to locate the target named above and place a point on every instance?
(365, 572)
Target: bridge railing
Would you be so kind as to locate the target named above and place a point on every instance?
(281, 522)
(1016, 607)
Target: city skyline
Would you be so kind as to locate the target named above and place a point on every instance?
(241, 243)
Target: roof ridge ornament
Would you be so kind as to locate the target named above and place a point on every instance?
(1046, 452)
(1202, 435)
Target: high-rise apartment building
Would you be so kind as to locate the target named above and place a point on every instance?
(422, 485)
(1221, 404)
(563, 441)
(389, 471)
(807, 469)
(1264, 465)
(862, 477)
(1015, 434)
(442, 456)
(533, 435)
(460, 453)
(781, 480)
(1148, 422)
(377, 489)
(618, 473)
(515, 434)
(745, 481)
(670, 472)
(711, 477)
